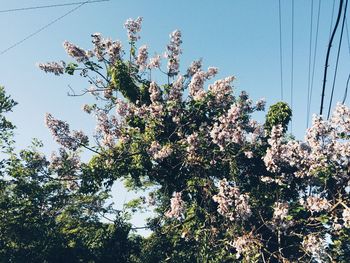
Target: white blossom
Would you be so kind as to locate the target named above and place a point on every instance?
(317, 204)
(142, 57)
(346, 217)
(133, 27)
(79, 54)
(176, 206)
(53, 67)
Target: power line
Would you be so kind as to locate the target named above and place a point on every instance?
(309, 72)
(49, 6)
(42, 28)
(292, 69)
(346, 89)
(347, 34)
(336, 65)
(281, 60)
(330, 28)
(347, 82)
(328, 53)
(314, 62)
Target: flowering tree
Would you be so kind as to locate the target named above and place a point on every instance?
(44, 217)
(224, 187)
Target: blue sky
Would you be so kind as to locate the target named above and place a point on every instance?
(240, 37)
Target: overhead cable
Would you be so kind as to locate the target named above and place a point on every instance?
(281, 60)
(328, 53)
(42, 28)
(313, 63)
(309, 71)
(337, 62)
(48, 6)
(292, 68)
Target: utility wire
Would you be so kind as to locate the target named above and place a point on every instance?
(337, 62)
(347, 82)
(42, 28)
(347, 34)
(309, 72)
(292, 69)
(328, 53)
(281, 60)
(49, 6)
(314, 62)
(346, 89)
(331, 26)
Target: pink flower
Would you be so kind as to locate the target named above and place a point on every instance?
(61, 133)
(75, 52)
(176, 206)
(133, 27)
(53, 67)
(142, 57)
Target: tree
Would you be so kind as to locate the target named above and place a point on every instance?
(225, 188)
(44, 217)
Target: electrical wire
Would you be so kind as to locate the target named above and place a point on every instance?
(346, 89)
(309, 72)
(42, 28)
(292, 68)
(337, 62)
(331, 26)
(347, 34)
(328, 53)
(313, 63)
(281, 58)
(48, 6)
(347, 82)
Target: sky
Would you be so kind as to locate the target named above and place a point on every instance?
(240, 37)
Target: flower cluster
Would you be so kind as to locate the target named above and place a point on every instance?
(231, 203)
(346, 217)
(246, 246)
(317, 204)
(79, 54)
(99, 46)
(221, 90)
(62, 134)
(280, 211)
(108, 128)
(158, 152)
(326, 146)
(176, 206)
(64, 162)
(133, 27)
(194, 67)
(228, 129)
(196, 87)
(154, 92)
(104, 47)
(53, 67)
(173, 52)
(175, 94)
(315, 246)
(273, 155)
(260, 105)
(154, 62)
(281, 218)
(142, 57)
(193, 143)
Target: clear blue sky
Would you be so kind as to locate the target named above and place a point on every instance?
(240, 37)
